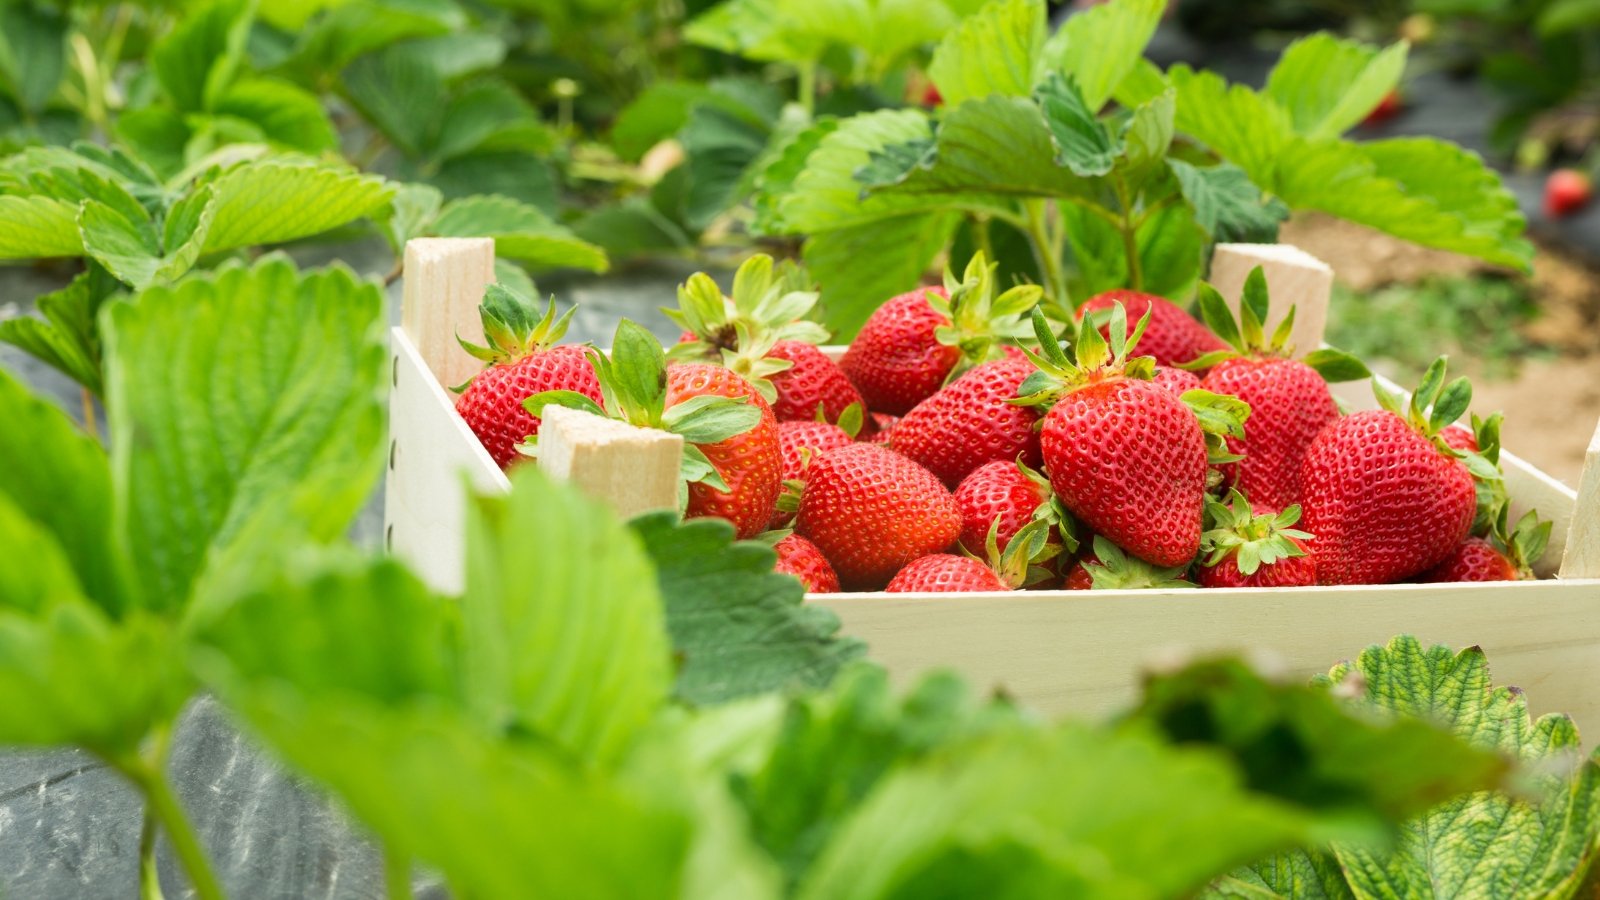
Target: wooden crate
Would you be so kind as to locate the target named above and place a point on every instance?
(1059, 651)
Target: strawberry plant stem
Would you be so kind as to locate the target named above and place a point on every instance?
(1130, 233)
(149, 877)
(980, 235)
(89, 423)
(807, 87)
(161, 804)
(1045, 251)
(397, 875)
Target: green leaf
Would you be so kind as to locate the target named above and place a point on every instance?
(1296, 874)
(400, 93)
(1098, 47)
(1566, 16)
(487, 115)
(654, 115)
(826, 194)
(524, 177)
(1488, 844)
(60, 479)
(33, 51)
(755, 29)
(710, 419)
(862, 266)
(1148, 134)
(632, 228)
(996, 51)
(247, 394)
(879, 32)
(197, 60)
(411, 212)
(158, 134)
(71, 676)
(288, 117)
(738, 628)
(1424, 190)
(521, 232)
(1328, 85)
(274, 200)
(125, 242)
(359, 27)
(38, 227)
(1083, 143)
(460, 53)
(721, 145)
(579, 654)
(1335, 365)
(1227, 204)
(1242, 126)
(1171, 251)
(66, 338)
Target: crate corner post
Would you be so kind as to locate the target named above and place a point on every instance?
(633, 470)
(1581, 558)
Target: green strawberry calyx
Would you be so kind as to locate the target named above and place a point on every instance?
(633, 386)
(1523, 545)
(1092, 360)
(770, 303)
(513, 328)
(1051, 510)
(1020, 563)
(1434, 406)
(1251, 540)
(982, 318)
(1114, 570)
(1246, 336)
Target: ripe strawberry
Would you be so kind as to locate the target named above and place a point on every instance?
(1498, 557)
(1245, 548)
(1459, 438)
(917, 342)
(1566, 191)
(1385, 496)
(971, 422)
(801, 558)
(1289, 399)
(1125, 457)
(1106, 567)
(1004, 496)
(761, 334)
(945, 573)
(1173, 336)
(801, 442)
(731, 460)
(523, 361)
(1176, 380)
(1005, 570)
(870, 511)
(1390, 106)
(883, 423)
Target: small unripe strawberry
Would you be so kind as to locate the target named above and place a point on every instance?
(1390, 106)
(1566, 191)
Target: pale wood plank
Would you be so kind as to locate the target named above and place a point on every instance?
(635, 470)
(432, 456)
(1294, 278)
(444, 282)
(1582, 559)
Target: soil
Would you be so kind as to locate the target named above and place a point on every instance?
(1551, 405)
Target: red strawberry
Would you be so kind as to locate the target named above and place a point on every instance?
(1173, 336)
(1125, 457)
(1106, 567)
(1289, 400)
(799, 443)
(917, 342)
(1176, 380)
(1459, 438)
(1384, 495)
(1005, 570)
(750, 463)
(731, 460)
(870, 511)
(883, 423)
(1566, 191)
(971, 422)
(1498, 557)
(1002, 495)
(1247, 548)
(761, 334)
(801, 558)
(522, 362)
(943, 573)
(1390, 106)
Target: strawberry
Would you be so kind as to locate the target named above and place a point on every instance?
(870, 511)
(801, 558)
(1390, 106)
(523, 361)
(1459, 438)
(1107, 568)
(1125, 457)
(1566, 191)
(731, 459)
(760, 333)
(1289, 399)
(1386, 497)
(1006, 570)
(799, 443)
(1246, 548)
(1173, 336)
(1178, 381)
(917, 342)
(971, 422)
(1006, 496)
(882, 423)
(1498, 557)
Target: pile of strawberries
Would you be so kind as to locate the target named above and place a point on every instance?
(965, 442)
